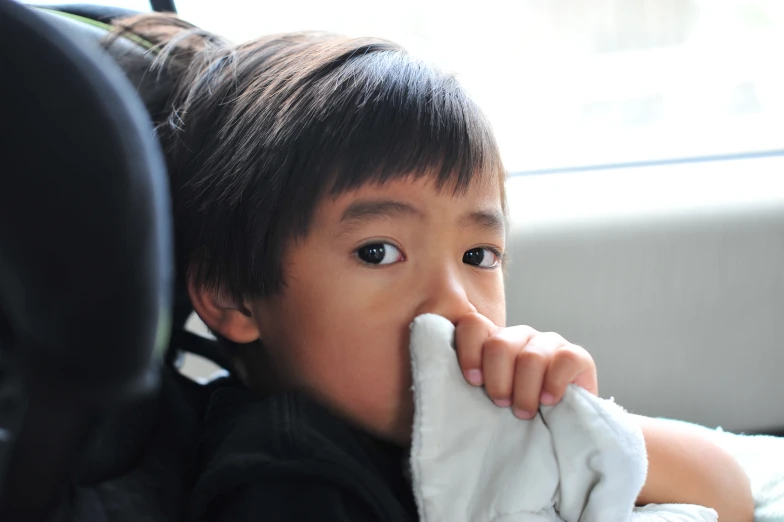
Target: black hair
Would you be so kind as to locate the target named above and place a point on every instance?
(257, 134)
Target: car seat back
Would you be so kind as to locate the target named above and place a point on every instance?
(85, 253)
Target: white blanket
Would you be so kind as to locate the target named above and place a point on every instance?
(582, 460)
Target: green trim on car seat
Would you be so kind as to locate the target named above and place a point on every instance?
(106, 27)
(163, 334)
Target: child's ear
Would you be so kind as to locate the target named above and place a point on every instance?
(224, 316)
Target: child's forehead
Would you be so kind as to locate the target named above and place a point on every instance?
(427, 186)
(423, 192)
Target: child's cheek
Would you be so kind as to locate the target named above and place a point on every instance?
(369, 384)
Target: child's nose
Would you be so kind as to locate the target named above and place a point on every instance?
(446, 296)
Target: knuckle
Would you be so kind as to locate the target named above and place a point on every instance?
(496, 346)
(470, 321)
(555, 337)
(572, 355)
(567, 355)
(524, 330)
(531, 358)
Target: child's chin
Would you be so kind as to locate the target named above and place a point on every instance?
(397, 427)
(401, 437)
(388, 417)
(397, 437)
(399, 433)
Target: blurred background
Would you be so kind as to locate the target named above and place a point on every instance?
(645, 145)
(569, 83)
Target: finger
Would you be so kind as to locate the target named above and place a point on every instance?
(570, 364)
(548, 344)
(499, 355)
(471, 333)
(530, 371)
(498, 365)
(588, 380)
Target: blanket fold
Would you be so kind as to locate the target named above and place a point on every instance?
(582, 460)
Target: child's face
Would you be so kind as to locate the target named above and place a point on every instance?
(373, 260)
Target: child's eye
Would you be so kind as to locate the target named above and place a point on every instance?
(481, 257)
(379, 254)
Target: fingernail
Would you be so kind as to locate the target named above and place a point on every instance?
(522, 414)
(502, 403)
(547, 399)
(474, 377)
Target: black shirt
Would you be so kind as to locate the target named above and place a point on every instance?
(138, 462)
(284, 458)
(221, 453)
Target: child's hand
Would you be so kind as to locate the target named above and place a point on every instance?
(519, 366)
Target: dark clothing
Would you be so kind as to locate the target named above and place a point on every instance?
(220, 453)
(285, 458)
(138, 462)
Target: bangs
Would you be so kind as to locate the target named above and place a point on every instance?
(269, 129)
(399, 118)
(370, 113)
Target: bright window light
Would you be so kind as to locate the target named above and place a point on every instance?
(572, 83)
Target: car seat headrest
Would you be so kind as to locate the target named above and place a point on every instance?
(90, 24)
(85, 262)
(134, 55)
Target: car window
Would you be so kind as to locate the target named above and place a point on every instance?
(576, 83)
(573, 84)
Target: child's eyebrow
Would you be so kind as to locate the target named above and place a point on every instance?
(486, 220)
(367, 210)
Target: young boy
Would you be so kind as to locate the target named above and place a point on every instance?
(328, 191)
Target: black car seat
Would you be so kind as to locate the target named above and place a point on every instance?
(85, 279)
(90, 24)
